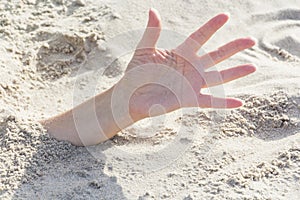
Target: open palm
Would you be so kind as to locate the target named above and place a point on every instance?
(161, 81)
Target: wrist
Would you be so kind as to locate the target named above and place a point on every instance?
(123, 106)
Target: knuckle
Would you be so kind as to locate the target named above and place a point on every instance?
(199, 35)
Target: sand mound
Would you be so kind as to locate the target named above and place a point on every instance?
(264, 117)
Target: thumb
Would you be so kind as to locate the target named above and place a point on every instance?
(152, 31)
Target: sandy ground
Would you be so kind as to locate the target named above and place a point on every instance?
(54, 54)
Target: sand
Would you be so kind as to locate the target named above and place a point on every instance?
(57, 53)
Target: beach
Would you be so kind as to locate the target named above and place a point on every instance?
(55, 54)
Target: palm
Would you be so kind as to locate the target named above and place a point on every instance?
(167, 74)
(173, 79)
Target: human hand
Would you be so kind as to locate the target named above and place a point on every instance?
(156, 82)
(160, 81)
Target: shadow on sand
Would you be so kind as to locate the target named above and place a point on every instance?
(60, 171)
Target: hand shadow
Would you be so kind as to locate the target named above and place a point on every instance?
(61, 171)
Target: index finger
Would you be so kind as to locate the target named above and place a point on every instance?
(196, 40)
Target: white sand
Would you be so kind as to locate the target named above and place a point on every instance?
(57, 53)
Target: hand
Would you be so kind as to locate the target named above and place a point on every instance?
(155, 82)
(160, 81)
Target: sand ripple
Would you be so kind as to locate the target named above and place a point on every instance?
(281, 41)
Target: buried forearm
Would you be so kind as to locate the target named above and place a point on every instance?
(89, 123)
